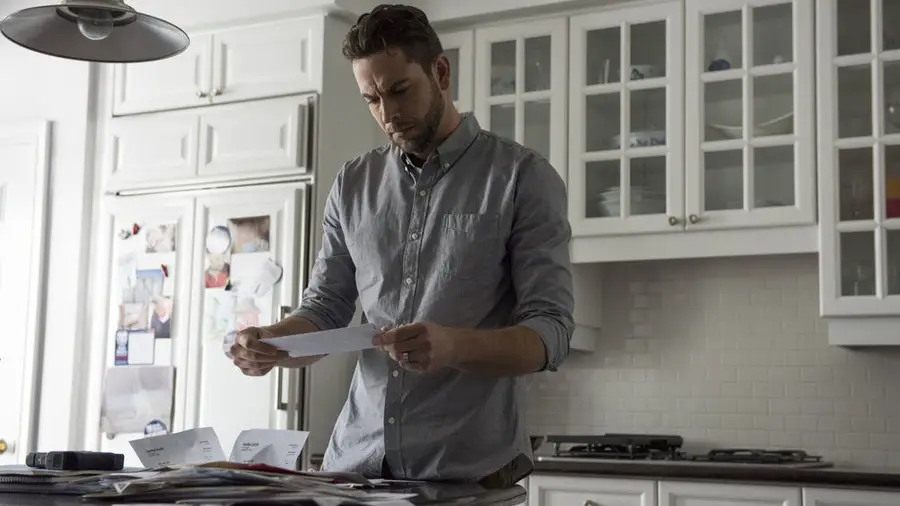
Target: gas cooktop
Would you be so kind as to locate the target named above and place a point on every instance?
(653, 447)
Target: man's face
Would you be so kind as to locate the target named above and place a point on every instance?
(405, 99)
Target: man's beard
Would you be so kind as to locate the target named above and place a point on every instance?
(424, 140)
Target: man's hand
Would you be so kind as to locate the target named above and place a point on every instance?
(420, 347)
(251, 355)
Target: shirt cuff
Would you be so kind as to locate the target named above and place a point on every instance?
(556, 344)
(310, 315)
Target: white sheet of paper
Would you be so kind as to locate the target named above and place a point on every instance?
(195, 446)
(326, 341)
(140, 348)
(279, 448)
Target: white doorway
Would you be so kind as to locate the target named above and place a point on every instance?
(23, 201)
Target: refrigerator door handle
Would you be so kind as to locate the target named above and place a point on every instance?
(280, 405)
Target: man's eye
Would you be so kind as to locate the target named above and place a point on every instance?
(371, 100)
(400, 91)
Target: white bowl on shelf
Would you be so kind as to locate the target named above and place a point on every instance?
(779, 126)
(642, 139)
(643, 201)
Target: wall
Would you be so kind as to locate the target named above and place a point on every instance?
(214, 13)
(726, 352)
(34, 86)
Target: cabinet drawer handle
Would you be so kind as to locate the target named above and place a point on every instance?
(216, 92)
(673, 221)
(202, 94)
(693, 218)
(589, 502)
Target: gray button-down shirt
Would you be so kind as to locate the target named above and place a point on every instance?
(478, 239)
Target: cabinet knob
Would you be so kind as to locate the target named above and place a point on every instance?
(216, 92)
(202, 94)
(4, 447)
(589, 502)
(673, 221)
(693, 218)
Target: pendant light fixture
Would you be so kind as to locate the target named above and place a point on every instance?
(107, 31)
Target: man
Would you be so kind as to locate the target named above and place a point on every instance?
(456, 242)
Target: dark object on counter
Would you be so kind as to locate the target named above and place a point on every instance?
(618, 446)
(76, 461)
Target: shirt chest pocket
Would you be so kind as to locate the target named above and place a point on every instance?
(471, 247)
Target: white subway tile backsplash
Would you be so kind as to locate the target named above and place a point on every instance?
(725, 352)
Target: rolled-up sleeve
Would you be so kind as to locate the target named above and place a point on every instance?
(329, 300)
(539, 255)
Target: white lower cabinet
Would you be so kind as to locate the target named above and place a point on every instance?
(575, 491)
(843, 497)
(556, 490)
(683, 493)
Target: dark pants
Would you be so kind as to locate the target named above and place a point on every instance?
(505, 477)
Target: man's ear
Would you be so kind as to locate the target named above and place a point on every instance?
(442, 72)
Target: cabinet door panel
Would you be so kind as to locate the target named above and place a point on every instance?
(458, 47)
(261, 138)
(724, 494)
(143, 151)
(173, 83)
(239, 232)
(831, 497)
(266, 60)
(546, 490)
(859, 158)
(749, 114)
(520, 85)
(625, 114)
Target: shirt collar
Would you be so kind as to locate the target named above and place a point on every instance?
(453, 147)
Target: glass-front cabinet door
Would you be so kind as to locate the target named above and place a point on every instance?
(520, 80)
(458, 48)
(859, 156)
(625, 121)
(749, 141)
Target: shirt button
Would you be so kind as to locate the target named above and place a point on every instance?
(391, 420)
(446, 165)
(422, 193)
(408, 281)
(414, 236)
(396, 373)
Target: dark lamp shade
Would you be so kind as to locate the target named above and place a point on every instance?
(105, 31)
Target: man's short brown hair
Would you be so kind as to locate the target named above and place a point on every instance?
(394, 26)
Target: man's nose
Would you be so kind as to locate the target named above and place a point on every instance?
(389, 112)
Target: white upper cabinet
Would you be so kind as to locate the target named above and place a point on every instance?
(626, 76)
(749, 122)
(180, 81)
(265, 138)
(691, 126)
(520, 85)
(859, 156)
(266, 60)
(229, 65)
(459, 49)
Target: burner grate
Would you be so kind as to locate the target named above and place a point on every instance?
(757, 456)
